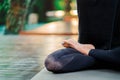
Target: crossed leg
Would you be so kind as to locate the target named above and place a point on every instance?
(68, 60)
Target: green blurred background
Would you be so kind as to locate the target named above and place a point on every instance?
(16, 15)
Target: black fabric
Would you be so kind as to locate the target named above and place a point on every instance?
(107, 56)
(98, 25)
(70, 60)
(97, 21)
(116, 29)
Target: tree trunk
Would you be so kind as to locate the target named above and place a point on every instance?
(16, 16)
(68, 6)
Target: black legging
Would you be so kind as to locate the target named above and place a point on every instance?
(68, 60)
(99, 25)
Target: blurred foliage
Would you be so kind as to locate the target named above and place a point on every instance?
(4, 6)
(16, 16)
(36, 6)
(59, 4)
(15, 12)
(39, 7)
(42, 6)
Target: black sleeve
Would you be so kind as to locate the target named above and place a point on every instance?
(109, 56)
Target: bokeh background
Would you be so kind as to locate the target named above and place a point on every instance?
(23, 15)
(29, 31)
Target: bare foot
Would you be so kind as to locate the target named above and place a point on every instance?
(83, 48)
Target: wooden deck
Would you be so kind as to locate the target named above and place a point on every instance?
(55, 28)
(21, 57)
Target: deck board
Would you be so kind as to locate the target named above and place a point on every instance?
(22, 57)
